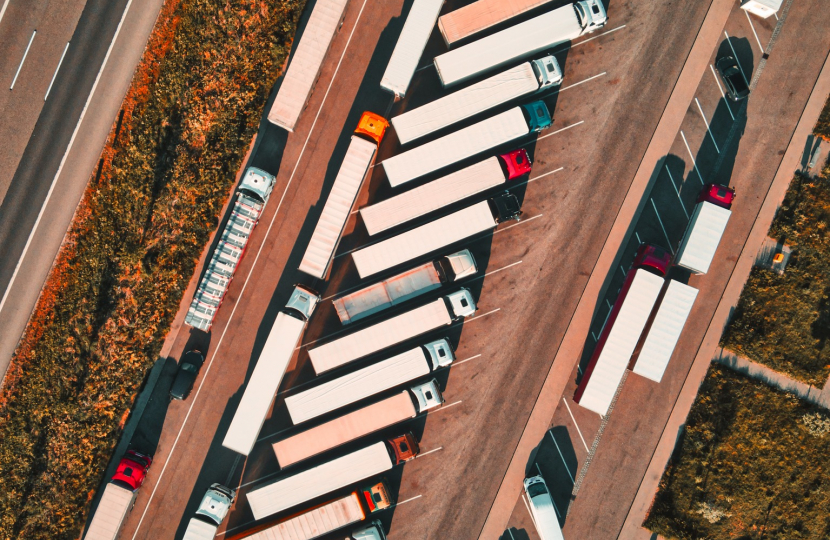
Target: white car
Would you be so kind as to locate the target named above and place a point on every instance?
(542, 510)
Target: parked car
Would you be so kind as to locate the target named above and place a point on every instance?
(733, 78)
(189, 367)
(542, 509)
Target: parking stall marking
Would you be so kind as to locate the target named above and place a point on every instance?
(639, 242)
(737, 60)
(699, 176)
(579, 431)
(565, 463)
(717, 81)
(543, 175)
(668, 241)
(560, 130)
(444, 407)
(428, 452)
(583, 81)
(707, 125)
(754, 32)
(674, 185)
(465, 360)
(517, 224)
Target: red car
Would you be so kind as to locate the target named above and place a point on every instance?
(132, 470)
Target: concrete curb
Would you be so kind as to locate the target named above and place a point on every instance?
(746, 260)
(572, 343)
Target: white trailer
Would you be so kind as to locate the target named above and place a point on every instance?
(665, 330)
(481, 15)
(404, 286)
(617, 341)
(702, 237)
(304, 67)
(325, 478)
(369, 381)
(356, 424)
(347, 184)
(440, 312)
(316, 522)
(467, 142)
(410, 46)
(270, 368)
(435, 235)
(508, 85)
(115, 503)
(529, 37)
(477, 178)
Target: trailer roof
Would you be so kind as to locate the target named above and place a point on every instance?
(703, 237)
(264, 383)
(461, 144)
(665, 330)
(534, 35)
(317, 481)
(622, 339)
(410, 45)
(110, 513)
(343, 429)
(304, 65)
(432, 196)
(338, 206)
(360, 384)
(477, 98)
(424, 239)
(480, 15)
(315, 522)
(379, 336)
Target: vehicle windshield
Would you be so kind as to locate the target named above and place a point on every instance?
(189, 367)
(534, 490)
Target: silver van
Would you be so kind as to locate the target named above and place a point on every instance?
(541, 509)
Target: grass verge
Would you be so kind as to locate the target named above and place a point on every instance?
(192, 108)
(752, 463)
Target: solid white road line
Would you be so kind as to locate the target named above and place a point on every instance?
(754, 32)
(65, 155)
(683, 206)
(661, 225)
(579, 431)
(250, 272)
(726, 101)
(54, 76)
(31, 39)
(743, 73)
(560, 130)
(689, 150)
(565, 463)
(699, 108)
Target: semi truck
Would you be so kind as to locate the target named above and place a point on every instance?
(270, 368)
(489, 173)
(304, 67)
(371, 339)
(253, 193)
(435, 235)
(211, 513)
(119, 496)
(325, 518)
(481, 15)
(664, 331)
(467, 142)
(516, 82)
(338, 473)
(622, 330)
(356, 424)
(326, 236)
(404, 286)
(410, 46)
(705, 229)
(529, 37)
(371, 380)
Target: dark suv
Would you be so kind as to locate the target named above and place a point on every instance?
(730, 72)
(189, 367)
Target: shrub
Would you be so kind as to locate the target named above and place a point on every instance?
(192, 108)
(822, 128)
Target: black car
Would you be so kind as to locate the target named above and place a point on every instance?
(189, 367)
(733, 79)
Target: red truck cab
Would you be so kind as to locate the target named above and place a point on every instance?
(653, 258)
(404, 447)
(516, 163)
(718, 195)
(132, 470)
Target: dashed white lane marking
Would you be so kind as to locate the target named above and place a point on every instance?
(25, 54)
(55, 75)
(579, 431)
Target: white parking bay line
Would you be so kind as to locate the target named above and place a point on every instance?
(517, 224)
(511, 265)
(544, 175)
(565, 463)
(735, 55)
(445, 407)
(707, 125)
(726, 101)
(406, 501)
(700, 177)
(661, 224)
(683, 206)
(563, 88)
(428, 452)
(465, 360)
(754, 32)
(579, 431)
(560, 130)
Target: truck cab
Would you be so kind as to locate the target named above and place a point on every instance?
(257, 184)
(547, 71)
(718, 195)
(302, 302)
(377, 497)
(505, 206)
(132, 470)
(216, 503)
(653, 258)
(404, 448)
(427, 395)
(440, 353)
(591, 15)
(371, 126)
(461, 303)
(515, 163)
(456, 266)
(537, 116)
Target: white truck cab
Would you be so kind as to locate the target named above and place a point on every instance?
(302, 302)
(428, 395)
(211, 513)
(591, 14)
(461, 303)
(547, 71)
(461, 263)
(372, 531)
(440, 353)
(257, 183)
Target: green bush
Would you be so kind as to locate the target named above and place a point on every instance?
(783, 321)
(193, 106)
(752, 463)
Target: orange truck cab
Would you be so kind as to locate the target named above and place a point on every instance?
(372, 126)
(404, 447)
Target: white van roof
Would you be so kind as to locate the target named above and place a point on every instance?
(543, 512)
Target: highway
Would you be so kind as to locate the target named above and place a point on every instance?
(67, 74)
